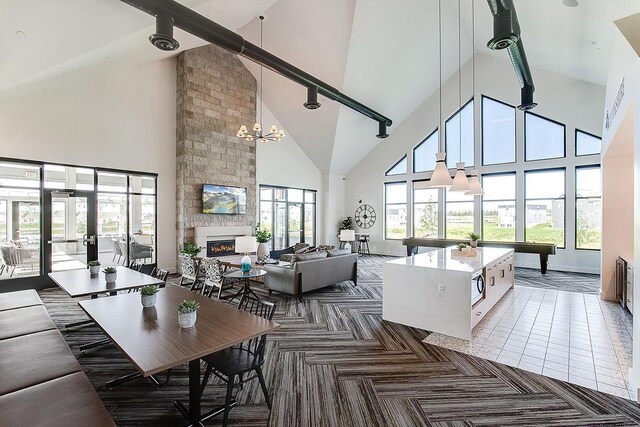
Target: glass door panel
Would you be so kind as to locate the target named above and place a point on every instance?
(71, 230)
(309, 224)
(112, 229)
(280, 225)
(295, 223)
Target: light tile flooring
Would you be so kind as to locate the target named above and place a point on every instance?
(570, 336)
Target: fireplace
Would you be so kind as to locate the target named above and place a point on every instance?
(216, 248)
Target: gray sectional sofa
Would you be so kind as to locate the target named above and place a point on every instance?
(311, 271)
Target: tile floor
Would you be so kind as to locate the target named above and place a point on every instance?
(570, 336)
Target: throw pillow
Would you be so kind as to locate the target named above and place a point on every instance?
(338, 252)
(308, 257)
(300, 248)
(325, 247)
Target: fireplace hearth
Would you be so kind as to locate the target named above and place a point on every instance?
(216, 248)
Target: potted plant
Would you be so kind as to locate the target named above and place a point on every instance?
(187, 313)
(262, 236)
(473, 240)
(346, 224)
(110, 274)
(94, 268)
(190, 249)
(148, 295)
(461, 247)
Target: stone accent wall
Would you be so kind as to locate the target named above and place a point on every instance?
(216, 94)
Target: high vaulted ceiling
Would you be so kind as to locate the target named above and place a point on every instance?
(383, 53)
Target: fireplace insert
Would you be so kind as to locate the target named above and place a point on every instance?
(217, 248)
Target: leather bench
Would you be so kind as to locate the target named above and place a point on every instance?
(64, 401)
(41, 382)
(19, 299)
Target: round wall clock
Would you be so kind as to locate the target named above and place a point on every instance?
(365, 216)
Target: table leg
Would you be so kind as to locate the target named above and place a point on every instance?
(94, 344)
(242, 291)
(194, 391)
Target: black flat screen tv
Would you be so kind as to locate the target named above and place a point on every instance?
(222, 199)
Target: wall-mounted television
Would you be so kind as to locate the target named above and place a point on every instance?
(222, 199)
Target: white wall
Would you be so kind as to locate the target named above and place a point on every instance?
(123, 119)
(575, 103)
(285, 164)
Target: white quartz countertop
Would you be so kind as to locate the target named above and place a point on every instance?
(442, 259)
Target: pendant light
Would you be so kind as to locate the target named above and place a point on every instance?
(440, 177)
(474, 182)
(274, 134)
(460, 181)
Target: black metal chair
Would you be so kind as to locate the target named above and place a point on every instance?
(238, 361)
(160, 274)
(137, 266)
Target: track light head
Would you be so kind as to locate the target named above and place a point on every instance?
(382, 131)
(504, 34)
(526, 99)
(163, 37)
(312, 99)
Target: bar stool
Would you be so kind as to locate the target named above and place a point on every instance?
(363, 244)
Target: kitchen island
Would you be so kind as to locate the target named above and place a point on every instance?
(442, 291)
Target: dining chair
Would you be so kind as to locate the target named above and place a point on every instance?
(123, 250)
(213, 277)
(160, 274)
(137, 266)
(117, 250)
(189, 267)
(236, 362)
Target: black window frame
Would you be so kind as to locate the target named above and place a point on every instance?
(564, 145)
(575, 141)
(413, 203)
(413, 153)
(515, 202)
(385, 208)
(474, 136)
(576, 198)
(515, 132)
(564, 169)
(403, 158)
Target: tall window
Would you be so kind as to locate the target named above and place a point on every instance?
(499, 207)
(588, 207)
(459, 137)
(395, 210)
(543, 138)
(498, 132)
(459, 210)
(587, 144)
(424, 155)
(399, 168)
(289, 214)
(3, 220)
(545, 211)
(425, 210)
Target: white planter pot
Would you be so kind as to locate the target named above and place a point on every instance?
(473, 243)
(110, 277)
(94, 270)
(263, 251)
(187, 320)
(148, 300)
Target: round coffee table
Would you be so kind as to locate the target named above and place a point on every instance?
(246, 288)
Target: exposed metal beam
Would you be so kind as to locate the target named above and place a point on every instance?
(212, 32)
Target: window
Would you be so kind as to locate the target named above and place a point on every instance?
(424, 155)
(459, 136)
(399, 168)
(588, 207)
(498, 132)
(289, 214)
(68, 177)
(395, 210)
(3, 221)
(425, 210)
(459, 219)
(545, 212)
(543, 138)
(499, 207)
(587, 144)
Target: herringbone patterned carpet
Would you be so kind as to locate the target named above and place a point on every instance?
(335, 362)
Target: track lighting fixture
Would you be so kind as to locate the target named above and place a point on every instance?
(163, 37)
(312, 98)
(382, 131)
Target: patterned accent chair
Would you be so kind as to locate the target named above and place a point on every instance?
(190, 268)
(213, 277)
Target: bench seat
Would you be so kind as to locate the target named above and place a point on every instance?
(19, 299)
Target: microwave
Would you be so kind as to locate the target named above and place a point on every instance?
(478, 287)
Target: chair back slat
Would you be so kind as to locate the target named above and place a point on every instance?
(260, 308)
(137, 266)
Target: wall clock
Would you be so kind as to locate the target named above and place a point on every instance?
(365, 216)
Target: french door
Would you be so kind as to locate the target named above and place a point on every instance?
(69, 229)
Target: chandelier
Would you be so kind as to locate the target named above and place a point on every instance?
(259, 134)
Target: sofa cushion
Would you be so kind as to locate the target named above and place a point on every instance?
(300, 248)
(309, 256)
(338, 252)
(325, 247)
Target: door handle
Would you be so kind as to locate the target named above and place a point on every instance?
(90, 240)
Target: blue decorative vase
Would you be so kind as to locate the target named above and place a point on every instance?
(245, 264)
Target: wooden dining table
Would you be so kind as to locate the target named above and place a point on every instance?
(154, 342)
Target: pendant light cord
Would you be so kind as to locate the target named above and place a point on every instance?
(441, 131)
(261, 68)
(459, 82)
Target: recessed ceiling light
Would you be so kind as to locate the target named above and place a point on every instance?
(21, 34)
(570, 3)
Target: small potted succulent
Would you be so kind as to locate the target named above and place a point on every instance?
(148, 295)
(462, 247)
(94, 268)
(110, 274)
(473, 240)
(187, 313)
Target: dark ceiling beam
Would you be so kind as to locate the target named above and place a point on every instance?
(202, 27)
